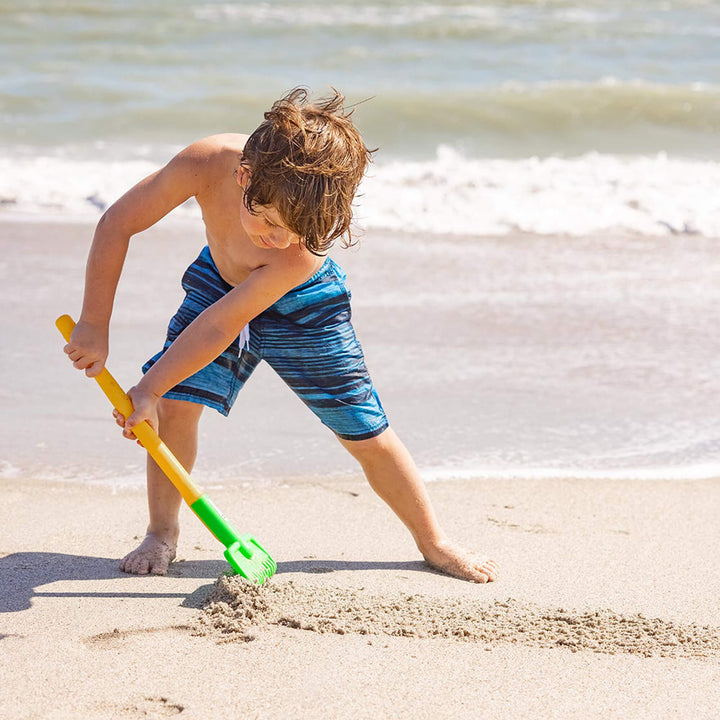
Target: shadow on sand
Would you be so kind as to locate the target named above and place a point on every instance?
(22, 573)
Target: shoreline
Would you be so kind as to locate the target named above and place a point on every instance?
(73, 628)
(463, 368)
(122, 481)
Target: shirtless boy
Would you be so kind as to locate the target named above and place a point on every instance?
(273, 203)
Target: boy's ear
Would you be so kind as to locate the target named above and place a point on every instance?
(242, 176)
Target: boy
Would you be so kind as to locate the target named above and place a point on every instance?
(272, 203)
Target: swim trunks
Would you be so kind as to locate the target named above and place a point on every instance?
(306, 337)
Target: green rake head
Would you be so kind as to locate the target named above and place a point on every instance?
(244, 553)
(249, 559)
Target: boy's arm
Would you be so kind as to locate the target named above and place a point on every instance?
(138, 209)
(215, 329)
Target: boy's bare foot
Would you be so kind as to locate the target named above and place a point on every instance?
(151, 557)
(454, 560)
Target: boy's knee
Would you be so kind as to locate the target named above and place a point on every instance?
(178, 410)
(372, 447)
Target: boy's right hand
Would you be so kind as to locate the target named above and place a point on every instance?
(144, 408)
(88, 347)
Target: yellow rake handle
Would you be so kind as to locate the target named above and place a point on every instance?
(148, 438)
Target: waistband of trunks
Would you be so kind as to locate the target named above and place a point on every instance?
(328, 266)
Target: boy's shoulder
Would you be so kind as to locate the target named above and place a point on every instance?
(202, 162)
(215, 146)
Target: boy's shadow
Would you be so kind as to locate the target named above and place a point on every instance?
(21, 573)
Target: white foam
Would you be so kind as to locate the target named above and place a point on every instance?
(571, 196)
(365, 15)
(8, 471)
(708, 471)
(58, 185)
(649, 195)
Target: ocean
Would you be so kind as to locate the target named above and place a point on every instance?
(519, 110)
(560, 122)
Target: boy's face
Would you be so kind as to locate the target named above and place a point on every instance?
(264, 225)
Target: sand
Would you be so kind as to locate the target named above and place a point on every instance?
(606, 607)
(236, 606)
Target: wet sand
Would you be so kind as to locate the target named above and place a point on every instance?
(606, 606)
(492, 356)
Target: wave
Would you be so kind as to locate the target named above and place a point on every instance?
(64, 186)
(567, 104)
(449, 194)
(645, 14)
(510, 120)
(568, 118)
(452, 19)
(654, 195)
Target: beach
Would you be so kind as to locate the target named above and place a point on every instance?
(535, 289)
(606, 605)
(81, 639)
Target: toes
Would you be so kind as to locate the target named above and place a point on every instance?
(148, 560)
(457, 561)
(160, 564)
(133, 565)
(142, 567)
(127, 562)
(159, 569)
(489, 569)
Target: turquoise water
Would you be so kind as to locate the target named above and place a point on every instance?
(610, 107)
(500, 79)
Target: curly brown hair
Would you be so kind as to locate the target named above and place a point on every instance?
(306, 160)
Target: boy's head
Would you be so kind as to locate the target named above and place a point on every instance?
(306, 160)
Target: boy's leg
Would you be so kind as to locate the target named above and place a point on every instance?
(308, 339)
(392, 473)
(178, 422)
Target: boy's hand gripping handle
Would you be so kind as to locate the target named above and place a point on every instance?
(148, 438)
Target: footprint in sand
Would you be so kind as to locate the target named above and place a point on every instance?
(116, 637)
(151, 707)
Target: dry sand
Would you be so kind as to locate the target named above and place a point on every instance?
(607, 606)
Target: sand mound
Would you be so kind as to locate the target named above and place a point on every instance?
(235, 608)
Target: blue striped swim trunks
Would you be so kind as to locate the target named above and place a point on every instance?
(306, 337)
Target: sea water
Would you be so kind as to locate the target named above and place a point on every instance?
(545, 116)
(556, 120)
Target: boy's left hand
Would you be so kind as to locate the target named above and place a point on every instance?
(144, 408)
